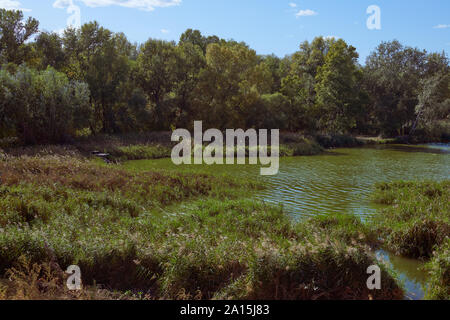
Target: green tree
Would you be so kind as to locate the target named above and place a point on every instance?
(338, 91)
(50, 52)
(196, 38)
(14, 33)
(43, 107)
(101, 59)
(230, 85)
(157, 67)
(299, 84)
(190, 62)
(434, 105)
(392, 79)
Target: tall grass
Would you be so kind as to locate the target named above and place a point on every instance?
(417, 218)
(171, 235)
(439, 269)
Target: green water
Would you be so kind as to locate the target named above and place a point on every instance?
(340, 181)
(336, 182)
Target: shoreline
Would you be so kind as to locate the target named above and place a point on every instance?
(157, 145)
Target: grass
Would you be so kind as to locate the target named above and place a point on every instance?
(157, 145)
(140, 152)
(439, 269)
(168, 235)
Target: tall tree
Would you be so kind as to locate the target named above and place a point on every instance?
(50, 51)
(157, 67)
(392, 79)
(300, 82)
(230, 85)
(338, 91)
(14, 33)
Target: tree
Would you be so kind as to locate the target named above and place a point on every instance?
(392, 79)
(434, 103)
(50, 52)
(190, 62)
(299, 84)
(196, 38)
(230, 85)
(14, 33)
(101, 59)
(43, 107)
(157, 67)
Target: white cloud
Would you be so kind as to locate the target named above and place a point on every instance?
(442, 26)
(293, 5)
(12, 5)
(305, 13)
(165, 31)
(145, 5)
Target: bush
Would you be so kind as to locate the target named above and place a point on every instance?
(42, 107)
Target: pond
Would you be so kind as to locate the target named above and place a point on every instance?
(340, 181)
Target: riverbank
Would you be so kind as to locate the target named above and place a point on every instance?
(169, 235)
(158, 145)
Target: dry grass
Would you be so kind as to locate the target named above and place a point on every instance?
(46, 281)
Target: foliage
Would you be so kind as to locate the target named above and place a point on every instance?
(14, 34)
(160, 85)
(395, 76)
(42, 106)
(439, 269)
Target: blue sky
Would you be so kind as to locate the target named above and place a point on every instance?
(268, 26)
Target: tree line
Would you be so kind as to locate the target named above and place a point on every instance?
(91, 80)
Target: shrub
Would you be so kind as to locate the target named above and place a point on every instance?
(42, 107)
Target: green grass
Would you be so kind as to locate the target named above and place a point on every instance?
(417, 218)
(140, 152)
(176, 235)
(439, 269)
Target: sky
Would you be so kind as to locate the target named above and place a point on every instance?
(268, 26)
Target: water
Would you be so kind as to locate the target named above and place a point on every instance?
(341, 181)
(410, 273)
